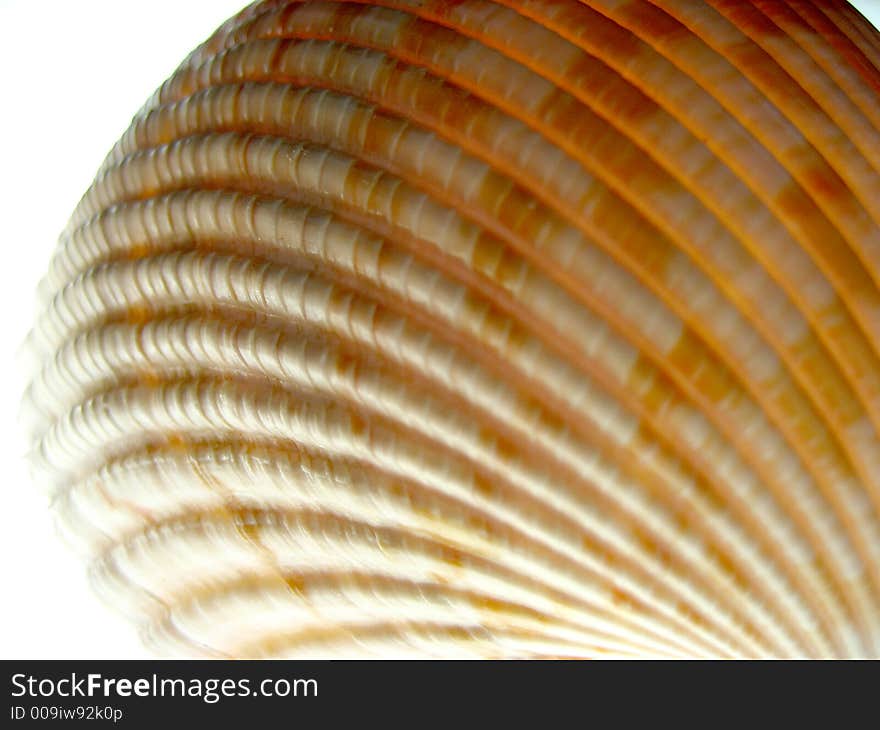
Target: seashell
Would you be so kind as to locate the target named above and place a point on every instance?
(533, 328)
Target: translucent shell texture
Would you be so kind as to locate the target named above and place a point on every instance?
(521, 328)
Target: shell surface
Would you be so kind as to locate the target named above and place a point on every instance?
(534, 328)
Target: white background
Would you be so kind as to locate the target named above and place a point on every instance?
(73, 73)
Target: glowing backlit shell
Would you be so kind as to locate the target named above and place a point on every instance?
(540, 328)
